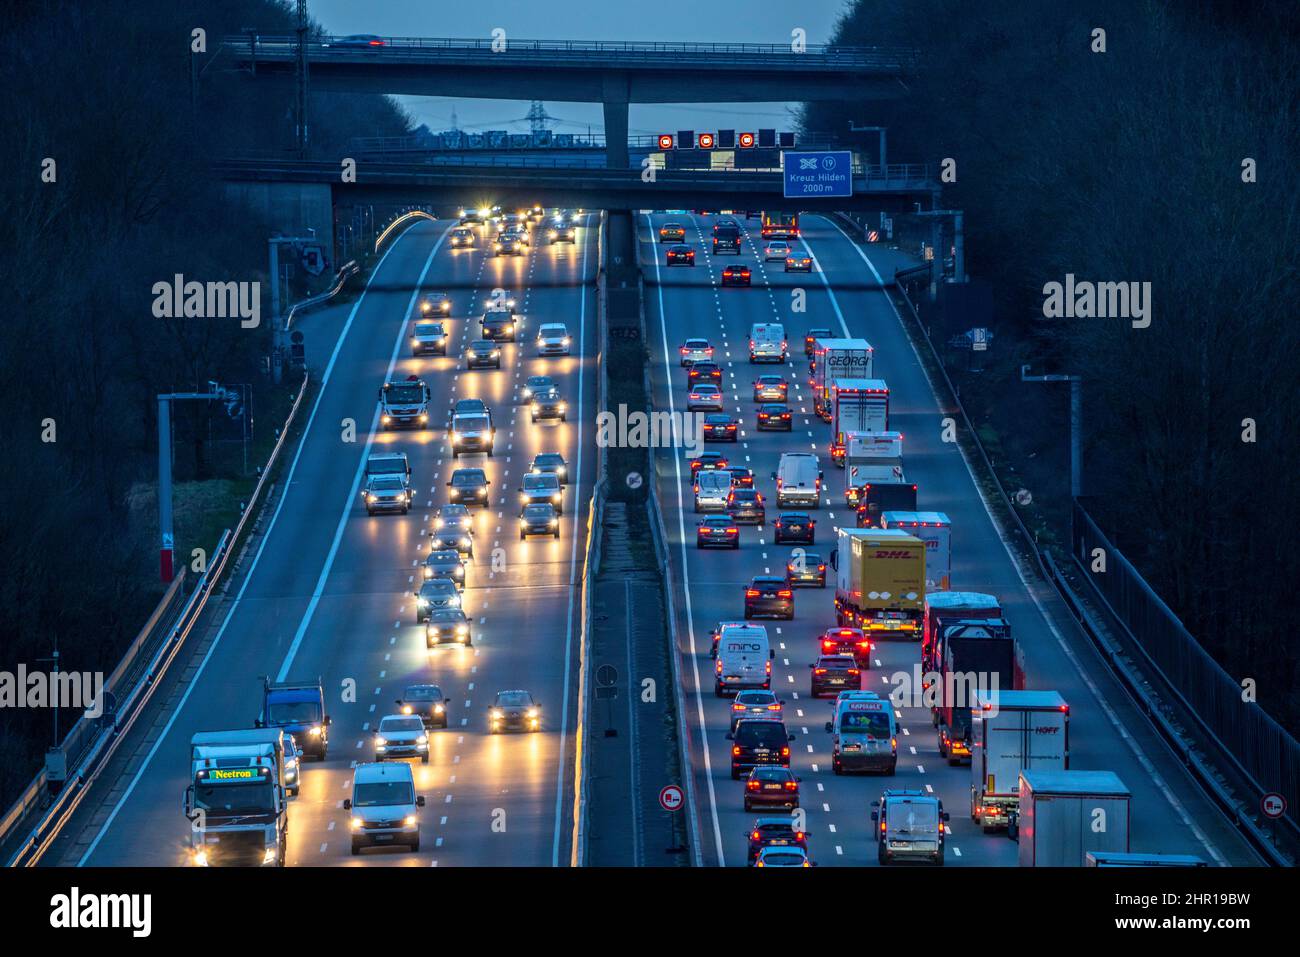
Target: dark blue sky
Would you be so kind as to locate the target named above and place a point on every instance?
(759, 21)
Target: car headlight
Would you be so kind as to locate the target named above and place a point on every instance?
(551, 523)
(495, 353)
(555, 497)
(314, 731)
(421, 602)
(422, 739)
(455, 437)
(565, 340)
(465, 543)
(380, 742)
(356, 823)
(387, 419)
(410, 821)
(438, 709)
(495, 714)
(460, 630)
(533, 712)
(454, 602)
(269, 855)
(200, 858)
(522, 520)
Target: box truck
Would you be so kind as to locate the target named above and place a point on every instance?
(857, 405)
(870, 457)
(1063, 815)
(880, 582)
(1011, 732)
(837, 359)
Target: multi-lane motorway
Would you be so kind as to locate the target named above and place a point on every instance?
(327, 591)
(843, 294)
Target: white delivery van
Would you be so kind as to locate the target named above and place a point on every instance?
(767, 342)
(711, 488)
(798, 480)
(384, 806)
(744, 659)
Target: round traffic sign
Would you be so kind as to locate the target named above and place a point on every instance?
(1272, 804)
(606, 675)
(670, 798)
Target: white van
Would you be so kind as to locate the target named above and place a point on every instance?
(798, 480)
(865, 733)
(744, 659)
(711, 489)
(383, 806)
(767, 342)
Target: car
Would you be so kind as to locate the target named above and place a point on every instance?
(462, 237)
(810, 339)
(470, 433)
(434, 594)
(720, 427)
(475, 216)
(537, 383)
(771, 787)
(774, 417)
(758, 741)
(425, 702)
(448, 626)
(798, 262)
(672, 233)
(909, 825)
(707, 462)
(514, 711)
(778, 833)
(357, 41)
(735, 276)
(767, 596)
(783, 857)
(741, 476)
(717, 531)
(453, 528)
(695, 350)
(444, 563)
(508, 244)
(469, 487)
(702, 372)
(387, 493)
(847, 641)
(482, 353)
(679, 255)
(805, 569)
(797, 527)
(435, 304)
(562, 233)
(499, 325)
(553, 339)
(519, 231)
(536, 213)
(539, 519)
(722, 224)
(292, 766)
(704, 397)
(754, 702)
(383, 808)
(747, 505)
(401, 736)
(832, 674)
(776, 251)
(771, 388)
(429, 338)
(539, 488)
(552, 462)
(548, 405)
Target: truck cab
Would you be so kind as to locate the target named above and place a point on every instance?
(864, 733)
(236, 800)
(404, 404)
(299, 709)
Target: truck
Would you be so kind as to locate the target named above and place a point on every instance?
(404, 403)
(1064, 815)
(389, 463)
(950, 607)
(973, 656)
(880, 582)
(837, 359)
(235, 800)
(935, 530)
(857, 405)
(870, 457)
(297, 708)
(1013, 731)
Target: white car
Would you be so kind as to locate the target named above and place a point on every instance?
(704, 397)
(553, 339)
(776, 251)
(401, 736)
(696, 350)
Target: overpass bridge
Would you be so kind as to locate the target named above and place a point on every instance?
(612, 73)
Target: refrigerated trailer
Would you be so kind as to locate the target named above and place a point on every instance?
(857, 405)
(1011, 732)
(1064, 815)
(935, 530)
(837, 359)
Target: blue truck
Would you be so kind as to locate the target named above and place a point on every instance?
(298, 708)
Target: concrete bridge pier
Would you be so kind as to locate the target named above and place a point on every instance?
(623, 294)
(615, 97)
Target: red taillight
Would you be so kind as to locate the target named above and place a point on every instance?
(819, 671)
(865, 644)
(791, 786)
(735, 750)
(755, 836)
(828, 645)
(752, 785)
(737, 707)
(376, 43)
(784, 593)
(854, 671)
(785, 415)
(785, 752)
(751, 592)
(821, 568)
(774, 707)
(732, 531)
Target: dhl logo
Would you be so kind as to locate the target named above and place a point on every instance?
(882, 553)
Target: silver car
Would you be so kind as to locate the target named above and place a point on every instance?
(386, 493)
(541, 488)
(553, 339)
(401, 736)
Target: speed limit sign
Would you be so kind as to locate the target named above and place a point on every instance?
(670, 798)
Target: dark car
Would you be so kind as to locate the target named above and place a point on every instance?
(798, 262)
(774, 417)
(482, 354)
(704, 372)
(757, 742)
(357, 41)
(735, 276)
(832, 674)
(536, 383)
(707, 461)
(767, 596)
(469, 487)
(387, 492)
(771, 388)
(741, 476)
(717, 532)
(444, 563)
(553, 463)
(847, 641)
(539, 519)
(429, 338)
(672, 233)
(434, 594)
(447, 626)
(746, 505)
(774, 832)
(720, 427)
(508, 244)
(548, 405)
(499, 325)
(514, 711)
(771, 787)
(428, 702)
(453, 528)
(462, 237)
(805, 569)
(794, 527)
(679, 255)
(810, 339)
(562, 233)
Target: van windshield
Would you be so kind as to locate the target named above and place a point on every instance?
(382, 793)
(292, 712)
(922, 816)
(874, 724)
(404, 394)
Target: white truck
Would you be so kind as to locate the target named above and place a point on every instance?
(1011, 732)
(1065, 814)
(857, 405)
(837, 359)
(236, 800)
(935, 530)
(871, 457)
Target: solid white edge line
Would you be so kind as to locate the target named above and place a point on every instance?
(257, 557)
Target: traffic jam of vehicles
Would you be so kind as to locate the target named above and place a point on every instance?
(240, 780)
(858, 556)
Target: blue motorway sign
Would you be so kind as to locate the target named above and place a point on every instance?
(817, 174)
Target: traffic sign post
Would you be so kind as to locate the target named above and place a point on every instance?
(672, 799)
(817, 174)
(1274, 806)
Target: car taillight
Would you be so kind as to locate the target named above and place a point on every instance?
(774, 707)
(865, 644)
(755, 836)
(819, 671)
(751, 592)
(785, 752)
(821, 568)
(752, 785)
(735, 750)
(737, 707)
(854, 671)
(828, 646)
(785, 415)
(784, 593)
(791, 786)
(732, 531)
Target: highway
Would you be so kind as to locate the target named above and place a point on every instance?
(327, 591)
(1169, 814)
